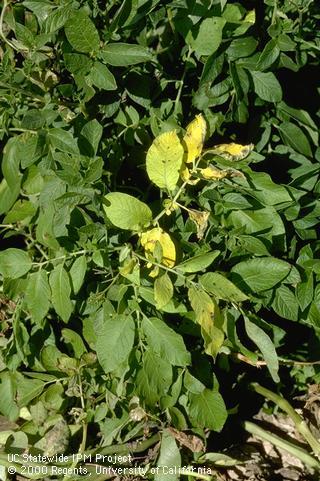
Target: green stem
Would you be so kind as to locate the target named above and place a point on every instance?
(2, 35)
(82, 446)
(311, 45)
(177, 100)
(299, 453)
(274, 12)
(161, 214)
(161, 266)
(66, 256)
(16, 129)
(299, 422)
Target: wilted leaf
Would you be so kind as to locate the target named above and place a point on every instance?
(194, 138)
(200, 218)
(232, 151)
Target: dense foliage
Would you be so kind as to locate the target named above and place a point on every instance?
(142, 280)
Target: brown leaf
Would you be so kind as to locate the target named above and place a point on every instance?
(190, 441)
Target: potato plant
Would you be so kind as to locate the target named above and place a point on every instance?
(159, 203)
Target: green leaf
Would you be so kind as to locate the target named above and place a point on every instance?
(269, 55)
(169, 458)
(115, 339)
(266, 86)
(302, 117)
(127, 212)
(28, 389)
(241, 47)
(163, 290)
(22, 210)
(124, 54)
(285, 304)
(61, 291)
(57, 19)
(293, 136)
(165, 342)
(8, 195)
(38, 295)
(81, 33)
(221, 287)
(11, 162)
(304, 292)
(8, 406)
(111, 428)
(192, 384)
(265, 190)
(62, 140)
(207, 409)
(254, 245)
(261, 274)
(206, 38)
(78, 63)
(198, 262)
(91, 132)
(77, 273)
(74, 340)
(101, 77)
(14, 263)
(260, 221)
(264, 343)
(154, 378)
(219, 459)
(173, 306)
(164, 160)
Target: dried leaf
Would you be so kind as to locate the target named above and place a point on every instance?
(200, 218)
(232, 151)
(190, 441)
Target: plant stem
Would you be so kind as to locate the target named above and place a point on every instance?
(161, 266)
(299, 422)
(177, 100)
(71, 254)
(296, 451)
(311, 45)
(2, 35)
(243, 358)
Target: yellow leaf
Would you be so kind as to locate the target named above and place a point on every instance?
(186, 175)
(203, 306)
(194, 138)
(250, 17)
(151, 237)
(232, 151)
(164, 160)
(211, 173)
(209, 317)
